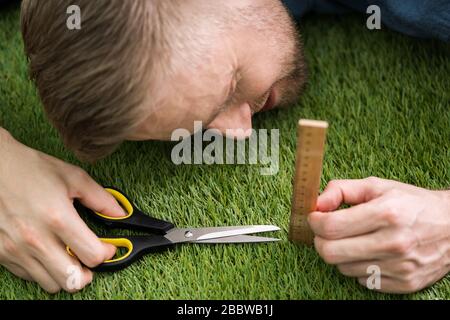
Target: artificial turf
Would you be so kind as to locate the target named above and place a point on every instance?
(386, 97)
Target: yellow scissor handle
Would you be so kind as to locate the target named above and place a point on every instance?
(123, 200)
(117, 242)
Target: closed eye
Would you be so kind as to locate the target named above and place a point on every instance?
(230, 97)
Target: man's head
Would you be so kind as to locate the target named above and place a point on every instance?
(139, 69)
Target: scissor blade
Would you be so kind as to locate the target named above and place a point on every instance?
(237, 231)
(197, 234)
(238, 239)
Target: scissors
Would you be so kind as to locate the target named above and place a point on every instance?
(164, 234)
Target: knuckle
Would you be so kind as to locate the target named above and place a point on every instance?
(407, 268)
(392, 216)
(29, 235)
(55, 219)
(33, 241)
(79, 174)
(376, 185)
(372, 180)
(95, 258)
(408, 278)
(401, 243)
(421, 260)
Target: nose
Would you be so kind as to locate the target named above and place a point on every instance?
(235, 122)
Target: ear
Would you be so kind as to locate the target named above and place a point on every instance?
(235, 122)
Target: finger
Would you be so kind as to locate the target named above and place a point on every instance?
(95, 197)
(351, 192)
(349, 222)
(64, 269)
(389, 285)
(40, 275)
(401, 268)
(18, 271)
(386, 268)
(82, 241)
(383, 244)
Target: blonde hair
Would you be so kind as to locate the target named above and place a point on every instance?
(92, 81)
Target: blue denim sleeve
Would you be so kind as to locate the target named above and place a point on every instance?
(417, 18)
(300, 7)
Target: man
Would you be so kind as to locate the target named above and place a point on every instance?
(137, 70)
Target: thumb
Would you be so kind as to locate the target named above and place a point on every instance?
(110, 250)
(95, 197)
(351, 192)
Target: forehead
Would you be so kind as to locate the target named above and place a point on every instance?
(207, 77)
(191, 92)
(205, 57)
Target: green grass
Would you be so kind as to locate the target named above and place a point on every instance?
(387, 99)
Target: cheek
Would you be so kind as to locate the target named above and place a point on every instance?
(180, 116)
(197, 97)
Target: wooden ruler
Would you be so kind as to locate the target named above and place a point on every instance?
(311, 135)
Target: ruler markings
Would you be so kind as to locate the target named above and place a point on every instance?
(311, 136)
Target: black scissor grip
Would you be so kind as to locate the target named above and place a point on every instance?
(135, 220)
(137, 247)
(138, 221)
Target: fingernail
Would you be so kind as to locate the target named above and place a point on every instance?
(122, 211)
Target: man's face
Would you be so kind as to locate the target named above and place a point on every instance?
(252, 62)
